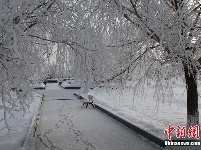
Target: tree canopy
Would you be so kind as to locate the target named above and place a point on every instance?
(100, 41)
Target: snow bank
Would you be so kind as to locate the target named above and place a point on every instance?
(20, 125)
(152, 116)
(30, 138)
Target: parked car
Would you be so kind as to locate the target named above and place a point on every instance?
(39, 85)
(70, 83)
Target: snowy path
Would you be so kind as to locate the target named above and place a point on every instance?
(66, 124)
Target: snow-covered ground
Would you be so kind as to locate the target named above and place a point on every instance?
(145, 111)
(66, 124)
(19, 126)
(142, 111)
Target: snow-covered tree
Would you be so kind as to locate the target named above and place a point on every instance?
(23, 26)
(156, 35)
(100, 40)
(30, 33)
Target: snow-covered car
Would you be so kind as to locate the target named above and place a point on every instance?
(70, 83)
(40, 85)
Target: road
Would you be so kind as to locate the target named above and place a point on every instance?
(65, 124)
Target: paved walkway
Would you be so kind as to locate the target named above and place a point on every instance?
(67, 125)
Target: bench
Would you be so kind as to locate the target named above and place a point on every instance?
(88, 101)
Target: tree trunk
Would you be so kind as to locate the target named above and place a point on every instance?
(192, 97)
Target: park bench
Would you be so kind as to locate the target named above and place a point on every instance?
(88, 101)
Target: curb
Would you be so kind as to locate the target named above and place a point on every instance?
(129, 125)
(29, 142)
(134, 128)
(80, 96)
